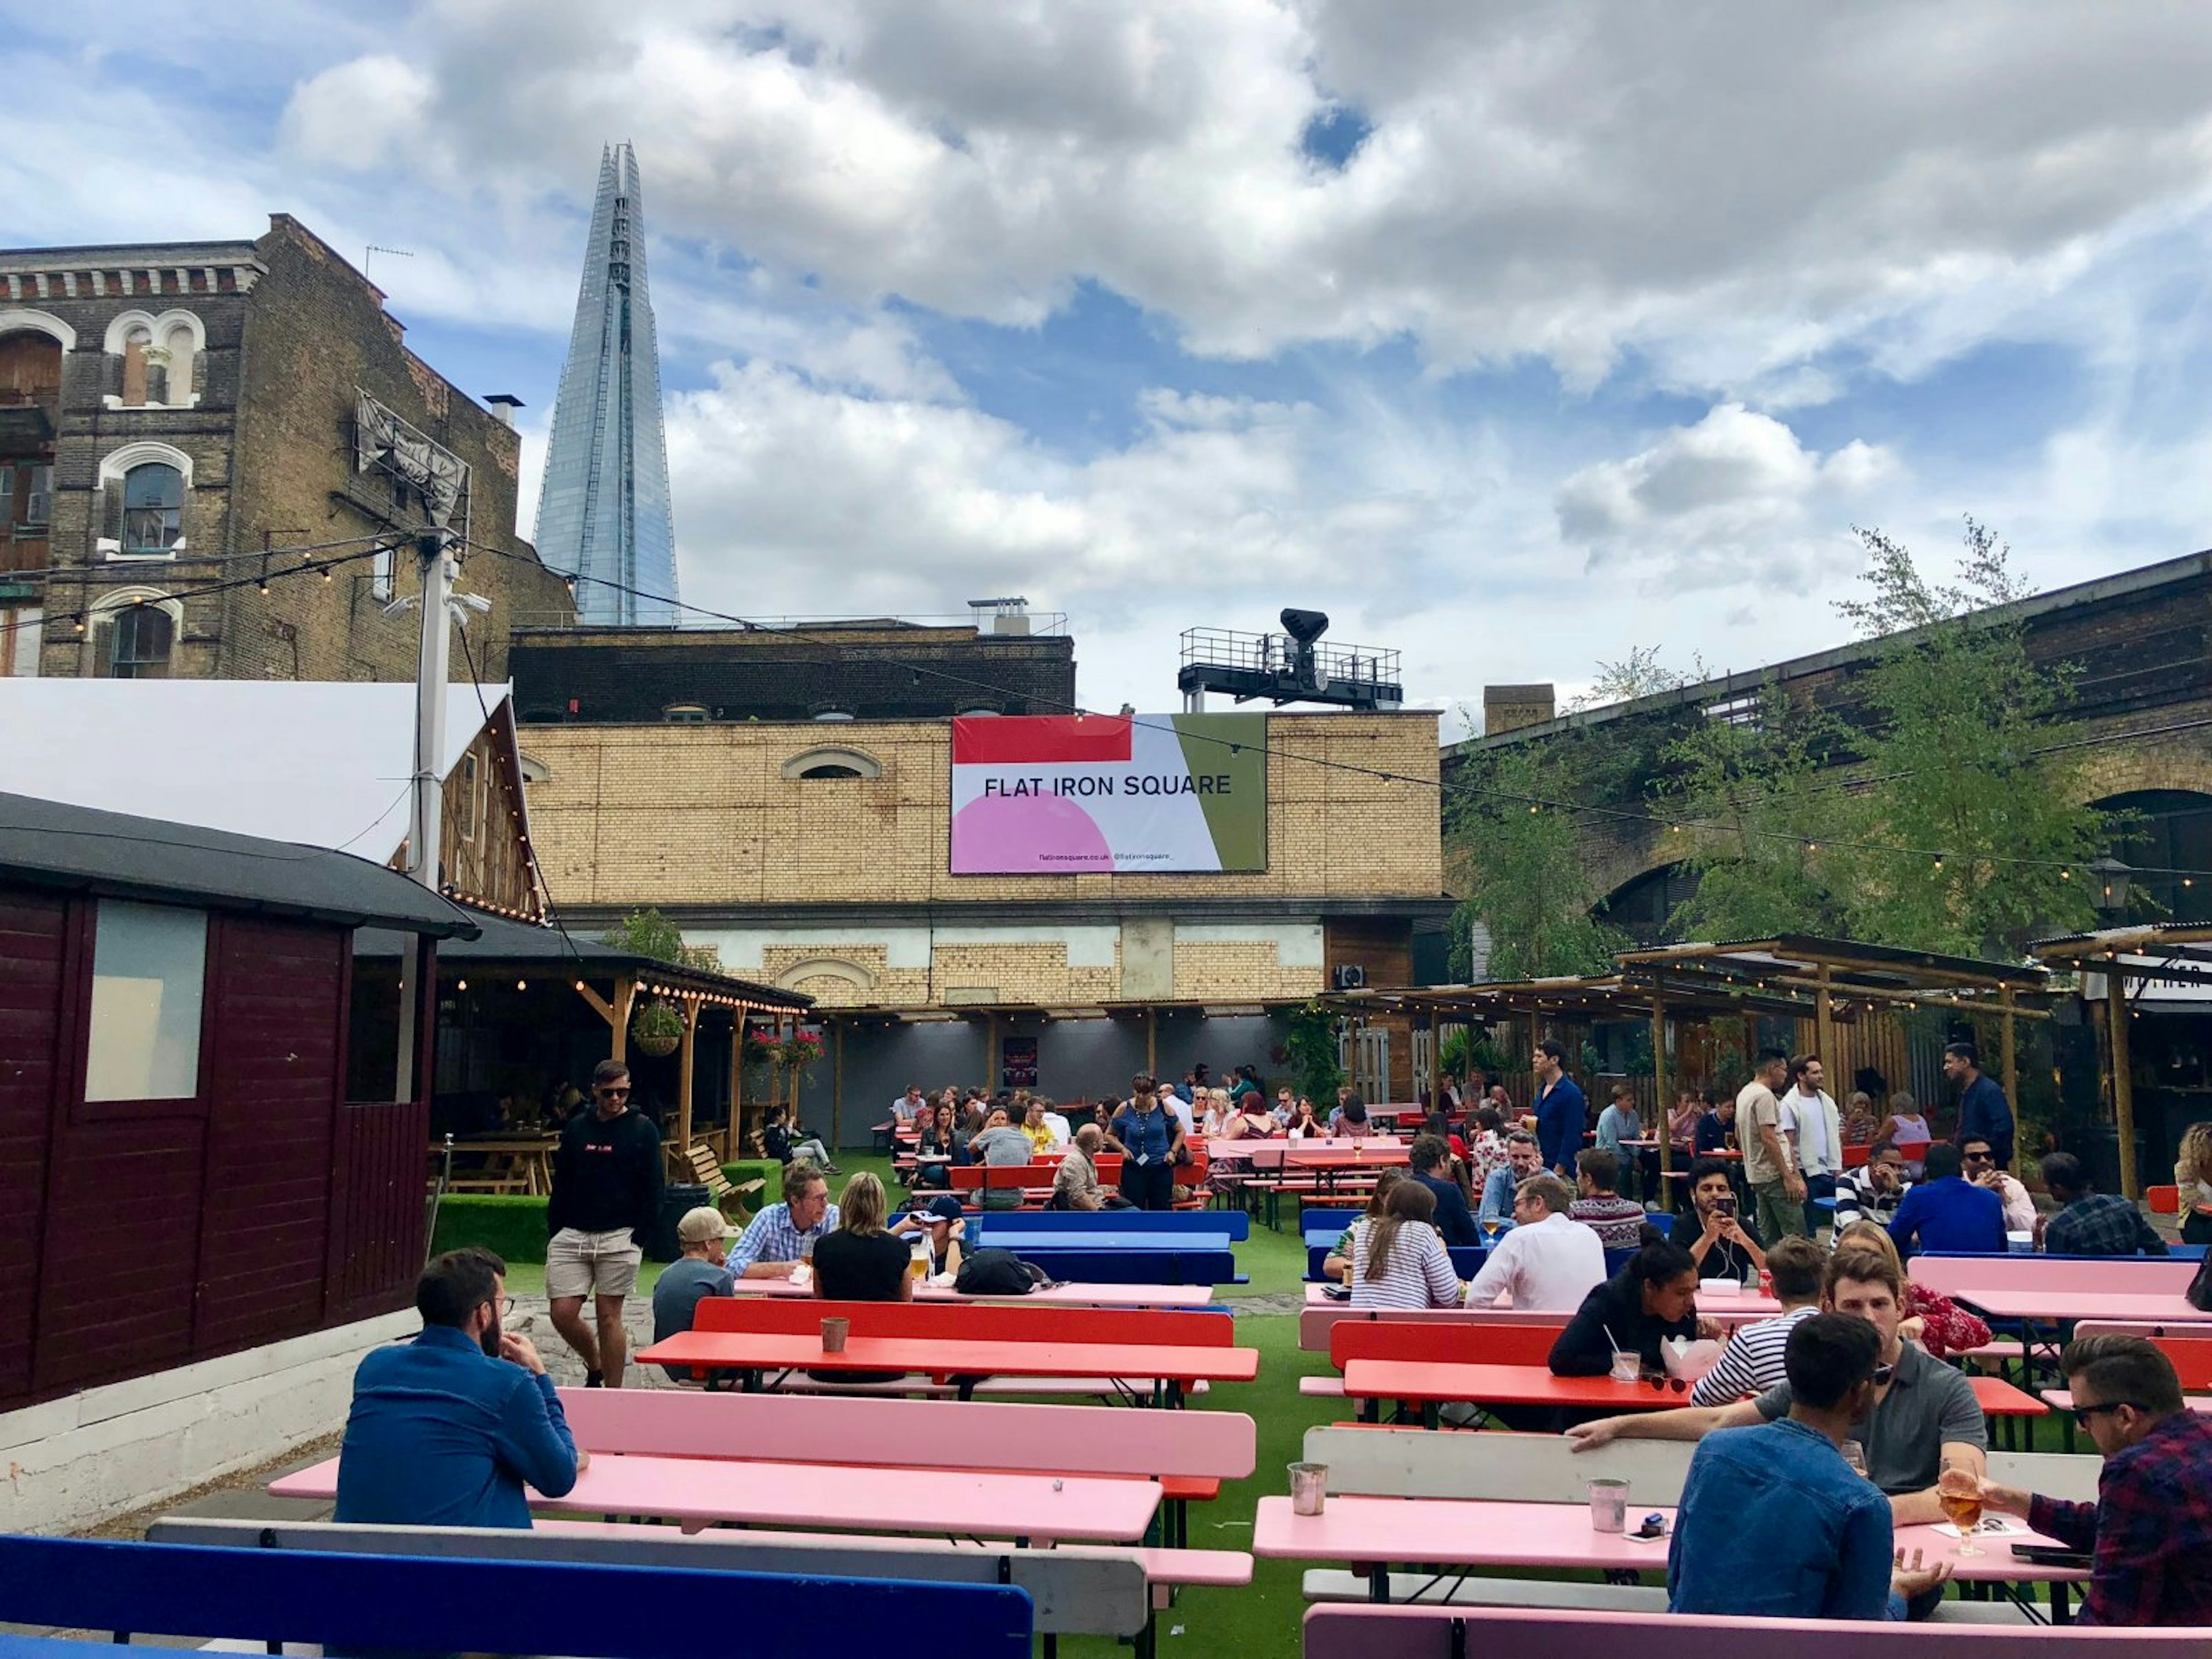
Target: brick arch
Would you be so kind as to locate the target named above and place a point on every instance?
(831, 981)
(2132, 768)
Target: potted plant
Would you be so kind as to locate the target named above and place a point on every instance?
(657, 1027)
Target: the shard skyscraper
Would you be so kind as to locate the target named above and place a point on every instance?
(602, 513)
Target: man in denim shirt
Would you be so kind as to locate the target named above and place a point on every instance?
(1522, 1159)
(1773, 1522)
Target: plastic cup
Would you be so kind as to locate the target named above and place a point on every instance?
(1627, 1367)
(834, 1333)
(1608, 1501)
(1309, 1487)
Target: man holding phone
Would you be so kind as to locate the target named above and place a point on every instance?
(1724, 1247)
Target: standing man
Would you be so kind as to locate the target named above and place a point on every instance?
(1983, 1108)
(446, 1431)
(1561, 1111)
(2149, 1533)
(784, 1235)
(1777, 1191)
(1819, 1139)
(606, 1197)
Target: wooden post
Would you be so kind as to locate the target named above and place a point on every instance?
(836, 1082)
(1661, 1094)
(1153, 1043)
(625, 994)
(991, 1052)
(2123, 1088)
(1824, 1026)
(736, 1149)
(2011, 1063)
(687, 1053)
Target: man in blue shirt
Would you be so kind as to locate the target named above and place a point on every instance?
(1773, 1522)
(1946, 1212)
(1425, 1158)
(1521, 1161)
(1984, 1111)
(446, 1430)
(1561, 1111)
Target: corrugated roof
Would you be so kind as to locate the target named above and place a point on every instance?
(78, 849)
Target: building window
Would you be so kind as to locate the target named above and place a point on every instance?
(380, 572)
(818, 765)
(153, 510)
(19, 632)
(155, 361)
(35, 499)
(828, 770)
(685, 713)
(465, 815)
(139, 643)
(148, 973)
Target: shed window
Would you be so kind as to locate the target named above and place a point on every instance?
(148, 970)
(685, 713)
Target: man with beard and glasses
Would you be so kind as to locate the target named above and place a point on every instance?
(447, 1430)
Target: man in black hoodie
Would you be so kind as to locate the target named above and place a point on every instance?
(606, 1197)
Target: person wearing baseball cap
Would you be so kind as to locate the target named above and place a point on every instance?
(704, 1237)
(941, 1222)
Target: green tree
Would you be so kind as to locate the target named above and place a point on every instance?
(1753, 812)
(650, 933)
(1310, 1047)
(1969, 834)
(1525, 881)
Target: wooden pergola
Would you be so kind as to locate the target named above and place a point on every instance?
(1795, 976)
(2174, 954)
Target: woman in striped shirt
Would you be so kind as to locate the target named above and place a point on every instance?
(1398, 1259)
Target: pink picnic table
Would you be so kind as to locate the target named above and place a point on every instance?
(1322, 1314)
(2065, 1306)
(1374, 1532)
(837, 1497)
(1062, 1296)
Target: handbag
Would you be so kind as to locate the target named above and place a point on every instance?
(2199, 1288)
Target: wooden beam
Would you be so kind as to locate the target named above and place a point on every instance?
(737, 1148)
(625, 994)
(598, 1003)
(687, 1053)
(2010, 1046)
(1662, 1095)
(1153, 1043)
(991, 1051)
(836, 1082)
(2116, 1014)
(1824, 1025)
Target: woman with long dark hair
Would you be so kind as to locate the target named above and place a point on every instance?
(1652, 1298)
(1398, 1260)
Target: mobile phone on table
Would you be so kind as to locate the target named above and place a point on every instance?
(1337, 1292)
(2052, 1555)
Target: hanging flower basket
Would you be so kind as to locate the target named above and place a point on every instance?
(656, 1029)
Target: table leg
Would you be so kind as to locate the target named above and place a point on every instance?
(1370, 1411)
(1378, 1581)
(2062, 1610)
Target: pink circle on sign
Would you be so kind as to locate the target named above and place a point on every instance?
(1047, 834)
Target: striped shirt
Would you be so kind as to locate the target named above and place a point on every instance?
(771, 1237)
(1418, 1275)
(1752, 1362)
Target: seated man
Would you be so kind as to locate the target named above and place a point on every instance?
(1523, 1158)
(1923, 1418)
(1983, 1169)
(1752, 1361)
(1426, 1158)
(1715, 1129)
(703, 1236)
(1548, 1262)
(446, 1431)
(1873, 1190)
(2091, 1223)
(2149, 1533)
(1040, 1137)
(784, 1235)
(1725, 1248)
(1774, 1523)
(1946, 1212)
(1617, 1221)
(1000, 1145)
(1075, 1183)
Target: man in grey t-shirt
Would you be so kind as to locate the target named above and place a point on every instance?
(1925, 1417)
(1000, 1144)
(704, 1236)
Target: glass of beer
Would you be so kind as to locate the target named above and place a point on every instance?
(917, 1264)
(1960, 1491)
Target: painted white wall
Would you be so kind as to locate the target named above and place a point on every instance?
(743, 949)
(86, 1458)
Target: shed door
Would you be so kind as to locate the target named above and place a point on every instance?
(33, 949)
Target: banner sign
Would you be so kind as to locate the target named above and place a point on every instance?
(1066, 794)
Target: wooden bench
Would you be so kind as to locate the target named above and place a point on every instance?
(729, 1199)
(1077, 1590)
(1410, 1632)
(403, 1601)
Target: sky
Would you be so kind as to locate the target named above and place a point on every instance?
(1515, 336)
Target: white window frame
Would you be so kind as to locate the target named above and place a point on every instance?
(157, 330)
(102, 618)
(114, 467)
(17, 320)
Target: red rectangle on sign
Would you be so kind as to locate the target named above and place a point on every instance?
(1040, 740)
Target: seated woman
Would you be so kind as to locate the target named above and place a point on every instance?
(785, 1141)
(1251, 1119)
(1653, 1298)
(1399, 1259)
(1859, 1125)
(1906, 1129)
(1305, 1123)
(861, 1261)
(941, 1223)
(939, 1148)
(1338, 1261)
(1215, 1113)
(1932, 1319)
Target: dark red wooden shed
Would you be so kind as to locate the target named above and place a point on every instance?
(181, 1175)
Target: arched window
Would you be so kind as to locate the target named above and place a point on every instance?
(685, 713)
(139, 644)
(825, 764)
(153, 510)
(154, 362)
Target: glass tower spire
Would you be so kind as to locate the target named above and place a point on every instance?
(602, 513)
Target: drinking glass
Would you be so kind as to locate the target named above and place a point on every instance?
(1960, 1491)
(1855, 1454)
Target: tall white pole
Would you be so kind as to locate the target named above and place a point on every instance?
(426, 815)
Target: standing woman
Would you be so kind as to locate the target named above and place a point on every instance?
(1147, 1136)
(2192, 1173)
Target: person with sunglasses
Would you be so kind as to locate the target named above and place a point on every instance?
(2149, 1533)
(1921, 1419)
(1774, 1522)
(605, 1199)
(1983, 1169)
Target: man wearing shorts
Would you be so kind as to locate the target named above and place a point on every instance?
(606, 1196)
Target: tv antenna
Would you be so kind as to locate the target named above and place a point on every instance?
(378, 248)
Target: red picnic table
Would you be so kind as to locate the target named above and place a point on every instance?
(754, 1353)
(836, 1497)
(1429, 1384)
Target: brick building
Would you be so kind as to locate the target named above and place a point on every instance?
(862, 670)
(815, 857)
(168, 412)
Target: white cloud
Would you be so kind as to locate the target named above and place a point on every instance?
(1735, 500)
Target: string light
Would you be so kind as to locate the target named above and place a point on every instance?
(461, 985)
